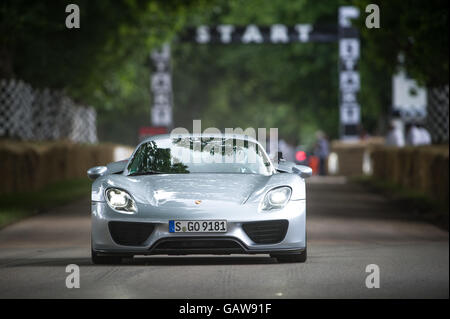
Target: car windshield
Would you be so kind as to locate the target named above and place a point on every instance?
(199, 155)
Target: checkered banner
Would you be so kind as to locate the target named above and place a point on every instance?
(29, 114)
(437, 114)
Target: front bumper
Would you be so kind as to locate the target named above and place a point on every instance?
(235, 240)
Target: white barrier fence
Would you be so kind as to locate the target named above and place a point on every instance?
(31, 114)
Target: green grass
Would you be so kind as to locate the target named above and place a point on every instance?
(16, 206)
(412, 201)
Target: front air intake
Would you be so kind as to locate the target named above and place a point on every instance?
(266, 232)
(197, 245)
(130, 233)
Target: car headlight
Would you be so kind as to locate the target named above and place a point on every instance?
(120, 200)
(277, 198)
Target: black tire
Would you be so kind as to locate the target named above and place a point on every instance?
(105, 260)
(291, 258)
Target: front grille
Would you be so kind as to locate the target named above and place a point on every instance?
(266, 232)
(129, 233)
(189, 245)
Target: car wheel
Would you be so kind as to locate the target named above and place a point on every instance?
(291, 258)
(105, 260)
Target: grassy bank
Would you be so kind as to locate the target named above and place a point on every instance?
(416, 203)
(16, 206)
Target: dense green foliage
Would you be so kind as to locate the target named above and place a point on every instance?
(293, 87)
(418, 29)
(96, 63)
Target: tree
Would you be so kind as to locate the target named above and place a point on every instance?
(115, 37)
(292, 87)
(416, 29)
(103, 64)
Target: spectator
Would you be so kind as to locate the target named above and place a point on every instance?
(287, 150)
(363, 134)
(413, 135)
(425, 136)
(321, 150)
(395, 136)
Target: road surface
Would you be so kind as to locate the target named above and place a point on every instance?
(348, 229)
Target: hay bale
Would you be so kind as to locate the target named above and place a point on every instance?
(28, 166)
(424, 169)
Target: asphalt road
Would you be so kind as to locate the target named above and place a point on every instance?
(348, 229)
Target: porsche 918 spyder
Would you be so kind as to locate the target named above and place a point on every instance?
(199, 194)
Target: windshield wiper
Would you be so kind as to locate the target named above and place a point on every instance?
(145, 173)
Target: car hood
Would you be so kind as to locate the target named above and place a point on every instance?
(182, 190)
(171, 188)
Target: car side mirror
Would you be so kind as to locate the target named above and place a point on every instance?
(117, 167)
(302, 170)
(96, 171)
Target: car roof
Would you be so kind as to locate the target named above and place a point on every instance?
(203, 135)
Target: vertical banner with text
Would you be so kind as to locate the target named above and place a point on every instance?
(161, 87)
(349, 80)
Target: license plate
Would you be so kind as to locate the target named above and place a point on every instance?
(197, 226)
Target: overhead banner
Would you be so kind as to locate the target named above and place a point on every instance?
(275, 34)
(343, 32)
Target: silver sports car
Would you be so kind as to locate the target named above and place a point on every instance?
(197, 194)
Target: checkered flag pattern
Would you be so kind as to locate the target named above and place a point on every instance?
(43, 115)
(437, 114)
